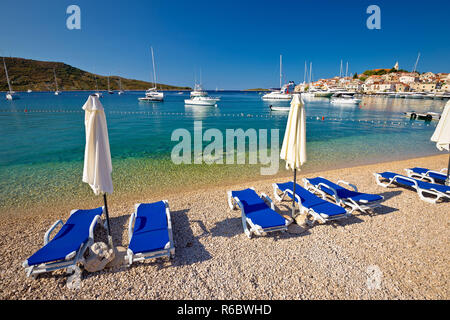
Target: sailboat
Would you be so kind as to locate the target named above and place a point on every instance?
(97, 93)
(152, 94)
(120, 87)
(10, 95)
(109, 90)
(310, 94)
(57, 92)
(283, 93)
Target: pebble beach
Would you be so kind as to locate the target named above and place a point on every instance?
(405, 242)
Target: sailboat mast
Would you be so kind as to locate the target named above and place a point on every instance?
(154, 71)
(56, 82)
(310, 73)
(281, 69)
(7, 77)
(417, 61)
(340, 70)
(346, 70)
(306, 71)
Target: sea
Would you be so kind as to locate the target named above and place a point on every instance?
(42, 140)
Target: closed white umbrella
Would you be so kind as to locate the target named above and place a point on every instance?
(441, 135)
(97, 157)
(293, 150)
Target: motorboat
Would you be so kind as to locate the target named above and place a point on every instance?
(202, 101)
(345, 98)
(152, 94)
(279, 108)
(10, 95)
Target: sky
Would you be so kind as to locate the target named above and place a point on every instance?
(231, 44)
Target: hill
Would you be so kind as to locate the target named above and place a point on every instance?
(38, 76)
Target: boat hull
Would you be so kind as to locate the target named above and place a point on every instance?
(200, 102)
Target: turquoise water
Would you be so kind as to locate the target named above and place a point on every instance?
(42, 139)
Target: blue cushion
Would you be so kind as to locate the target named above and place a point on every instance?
(422, 184)
(70, 237)
(150, 216)
(343, 192)
(250, 200)
(150, 228)
(311, 201)
(435, 175)
(257, 210)
(149, 241)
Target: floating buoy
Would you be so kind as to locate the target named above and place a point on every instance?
(26, 110)
(323, 118)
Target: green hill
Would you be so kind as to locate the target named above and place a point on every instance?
(38, 76)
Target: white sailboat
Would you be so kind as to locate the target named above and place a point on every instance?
(57, 92)
(310, 93)
(109, 90)
(283, 94)
(152, 94)
(97, 93)
(10, 95)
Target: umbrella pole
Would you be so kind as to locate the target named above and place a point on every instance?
(293, 196)
(107, 222)
(447, 182)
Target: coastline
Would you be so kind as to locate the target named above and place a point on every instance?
(407, 239)
(137, 178)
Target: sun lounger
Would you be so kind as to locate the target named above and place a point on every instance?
(66, 249)
(436, 191)
(319, 208)
(343, 196)
(426, 174)
(256, 213)
(150, 232)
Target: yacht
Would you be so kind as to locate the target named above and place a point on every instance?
(29, 90)
(198, 91)
(284, 93)
(152, 94)
(57, 92)
(10, 95)
(344, 98)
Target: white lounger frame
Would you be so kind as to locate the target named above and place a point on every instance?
(234, 203)
(437, 194)
(424, 176)
(308, 211)
(169, 249)
(71, 260)
(362, 205)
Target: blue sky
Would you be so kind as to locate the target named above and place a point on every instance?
(235, 44)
